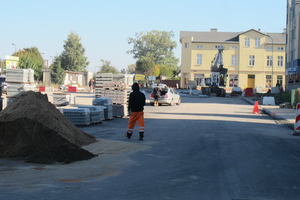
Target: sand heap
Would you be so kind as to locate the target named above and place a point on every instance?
(31, 127)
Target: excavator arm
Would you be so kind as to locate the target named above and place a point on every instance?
(217, 63)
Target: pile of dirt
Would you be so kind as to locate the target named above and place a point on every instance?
(31, 127)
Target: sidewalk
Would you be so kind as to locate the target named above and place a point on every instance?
(285, 115)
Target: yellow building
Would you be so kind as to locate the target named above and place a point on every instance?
(247, 55)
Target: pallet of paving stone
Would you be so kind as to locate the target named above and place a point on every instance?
(102, 101)
(120, 110)
(108, 112)
(78, 116)
(96, 112)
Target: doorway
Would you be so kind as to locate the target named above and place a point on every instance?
(251, 81)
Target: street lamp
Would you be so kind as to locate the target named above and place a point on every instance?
(272, 58)
(15, 47)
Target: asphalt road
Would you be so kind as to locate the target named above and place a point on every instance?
(206, 148)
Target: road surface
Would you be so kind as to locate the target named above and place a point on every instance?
(206, 148)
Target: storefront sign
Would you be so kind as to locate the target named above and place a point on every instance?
(139, 77)
(11, 62)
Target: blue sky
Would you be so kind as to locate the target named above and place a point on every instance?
(104, 26)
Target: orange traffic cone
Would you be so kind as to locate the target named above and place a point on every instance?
(255, 109)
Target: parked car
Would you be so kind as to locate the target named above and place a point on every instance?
(168, 96)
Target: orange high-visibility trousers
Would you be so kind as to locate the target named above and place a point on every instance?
(139, 117)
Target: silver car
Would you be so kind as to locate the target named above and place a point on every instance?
(168, 96)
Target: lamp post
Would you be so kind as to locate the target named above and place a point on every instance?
(15, 47)
(272, 58)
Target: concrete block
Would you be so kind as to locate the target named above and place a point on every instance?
(275, 90)
(269, 101)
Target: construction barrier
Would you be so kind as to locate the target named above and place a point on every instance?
(248, 92)
(42, 89)
(72, 89)
(297, 120)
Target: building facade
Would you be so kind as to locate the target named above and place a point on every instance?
(78, 78)
(253, 58)
(293, 40)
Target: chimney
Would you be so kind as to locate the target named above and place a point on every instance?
(213, 30)
(284, 30)
(259, 29)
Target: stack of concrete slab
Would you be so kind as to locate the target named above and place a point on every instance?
(19, 81)
(102, 78)
(96, 113)
(20, 75)
(118, 96)
(16, 89)
(124, 78)
(105, 81)
(78, 116)
(63, 99)
(118, 88)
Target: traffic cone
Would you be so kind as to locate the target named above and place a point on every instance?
(255, 109)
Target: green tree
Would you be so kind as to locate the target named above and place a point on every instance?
(31, 58)
(131, 69)
(72, 58)
(166, 70)
(156, 45)
(156, 71)
(145, 66)
(107, 68)
(57, 73)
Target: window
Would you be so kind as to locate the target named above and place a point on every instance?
(251, 60)
(199, 59)
(280, 48)
(280, 61)
(234, 47)
(186, 45)
(269, 48)
(233, 80)
(257, 42)
(269, 61)
(247, 42)
(268, 81)
(199, 47)
(234, 60)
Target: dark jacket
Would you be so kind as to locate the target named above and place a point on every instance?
(157, 92)
(137, 99)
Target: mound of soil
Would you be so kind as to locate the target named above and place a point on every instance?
(31, 127)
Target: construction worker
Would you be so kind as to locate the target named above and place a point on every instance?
(136, 105)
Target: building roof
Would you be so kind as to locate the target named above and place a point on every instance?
(230, 37)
